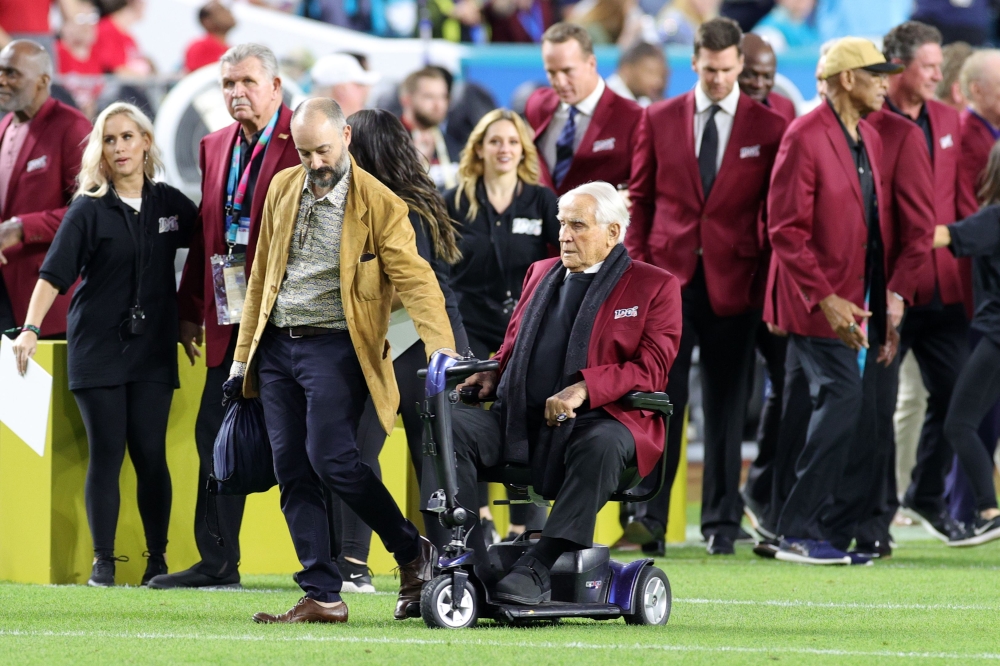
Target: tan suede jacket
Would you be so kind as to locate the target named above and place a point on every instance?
(377, 252)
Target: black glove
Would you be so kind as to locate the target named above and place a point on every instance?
(232, 389)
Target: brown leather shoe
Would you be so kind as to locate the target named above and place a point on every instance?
(306, 610)
(412, 577)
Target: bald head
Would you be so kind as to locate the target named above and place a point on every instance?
(759, 67)
(980, 79)
(322, 136)
(25, 77)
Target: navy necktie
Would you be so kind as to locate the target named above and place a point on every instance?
(564, 148)
(709, 152)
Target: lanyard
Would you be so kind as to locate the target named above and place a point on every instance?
(236, 192)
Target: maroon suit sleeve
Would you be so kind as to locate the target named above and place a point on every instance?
(642, 190)
(913, 190)
(969, 168)
(647, 371)
(790, 205)
(191, 293)
(40, 227)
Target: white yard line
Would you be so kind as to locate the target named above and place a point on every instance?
(833, 604)
(454, 639)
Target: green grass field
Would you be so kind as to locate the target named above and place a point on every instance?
(928, 604)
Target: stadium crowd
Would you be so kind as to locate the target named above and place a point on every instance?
(832, 243)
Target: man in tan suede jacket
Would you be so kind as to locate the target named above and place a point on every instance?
(334, 242)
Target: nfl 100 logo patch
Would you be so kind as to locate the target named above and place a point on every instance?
(627, 312)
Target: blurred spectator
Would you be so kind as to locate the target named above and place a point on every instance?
(643, 74)
(278, 5)
(949, 90)
(340, 76)
(790, 25)
(457, 21)
(958, 20)
(757, 78)
(836, 18)
(746, 12)
(75, 47)
(610, 21)
(677, 22)
(519, 20)
(295, 64)
(24, 18)
(424, 97)
(361, 15)
(115, 46)
(469, 102)
(217, 21)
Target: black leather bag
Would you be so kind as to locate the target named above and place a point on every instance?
(242, 462)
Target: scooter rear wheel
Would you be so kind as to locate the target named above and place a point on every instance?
(439, 611)
(652, 599)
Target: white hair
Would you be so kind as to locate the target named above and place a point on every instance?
(241, 52)
(609, 205)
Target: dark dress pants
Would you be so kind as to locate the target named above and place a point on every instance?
(598, 451)
(313, 391)
(726, 358)
(939, 338)
(760, 477)
(217, 561)
(835, 388)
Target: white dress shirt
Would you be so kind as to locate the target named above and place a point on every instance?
(593, 269)
(723, 119)
(585, 109)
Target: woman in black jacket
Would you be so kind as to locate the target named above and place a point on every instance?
(120, 235)
(978, 385)
(382, 146)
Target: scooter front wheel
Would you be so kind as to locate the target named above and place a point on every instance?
(439, 610)
(652, 601)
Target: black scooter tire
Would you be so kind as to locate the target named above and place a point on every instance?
(652, 599)
(435, 602)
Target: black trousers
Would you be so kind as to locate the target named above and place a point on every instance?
(597, 453)
(727, 353)
(313, 392)
(133, 417)
(976, 391)
(760, 477)
(216, 561)
(939, 339)
(822, 504)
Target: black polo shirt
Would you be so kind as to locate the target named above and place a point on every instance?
(496, 252)
(97, 241)
(922, 120)
(246, 152)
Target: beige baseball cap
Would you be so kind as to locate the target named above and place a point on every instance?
(857, 53)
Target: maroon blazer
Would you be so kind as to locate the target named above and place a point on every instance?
(605, 153)
(781, 105)
(908, 218)
(977, 141)
(39, 193)
(672, 223)
(816, 222)
(633, 344)
(196, 295)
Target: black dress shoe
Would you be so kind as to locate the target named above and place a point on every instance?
(641, 531)
(528, 583)
(720, 544)
(656, 548)
(877, 550)
(766, 548)
(194, 579)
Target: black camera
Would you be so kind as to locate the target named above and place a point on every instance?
(137, 321)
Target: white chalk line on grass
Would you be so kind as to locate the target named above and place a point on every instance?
(835, 604)
(545, 645)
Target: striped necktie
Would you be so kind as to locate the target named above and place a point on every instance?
(564, 148)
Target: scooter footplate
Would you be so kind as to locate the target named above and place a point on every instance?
(554, 609)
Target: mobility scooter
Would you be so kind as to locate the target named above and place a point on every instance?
(585, 584)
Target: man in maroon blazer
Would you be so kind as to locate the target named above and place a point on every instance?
(253, 94)
(41, 147)
(980, 124)
(757, 78)
(583, 130)
(700, 171)
(936, 327)
(591, 326)
(826, 274)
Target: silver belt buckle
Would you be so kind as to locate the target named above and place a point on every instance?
(292, 335)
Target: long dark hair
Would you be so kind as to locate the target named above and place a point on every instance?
(989, 193)
(382, 147)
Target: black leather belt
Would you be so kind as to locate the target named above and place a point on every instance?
(303, 331)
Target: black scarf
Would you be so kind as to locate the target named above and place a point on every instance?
(547, 461)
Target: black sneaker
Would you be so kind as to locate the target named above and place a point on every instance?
(193, 579)
(490, 533)
(156, 565)
(103, 573)
(528, 583)
(939, 523)
(357, 577)
(983, 530)
(766, 548)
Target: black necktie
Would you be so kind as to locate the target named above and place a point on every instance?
(709, 152)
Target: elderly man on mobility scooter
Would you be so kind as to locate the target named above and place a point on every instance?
(591, 326)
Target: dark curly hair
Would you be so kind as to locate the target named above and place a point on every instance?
(382, 147)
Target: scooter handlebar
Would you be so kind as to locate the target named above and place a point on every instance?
(465, 368)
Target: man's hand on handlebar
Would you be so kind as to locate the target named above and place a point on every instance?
(562, 406)
(487, 381)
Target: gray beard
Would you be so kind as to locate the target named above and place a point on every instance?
(327, 177)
